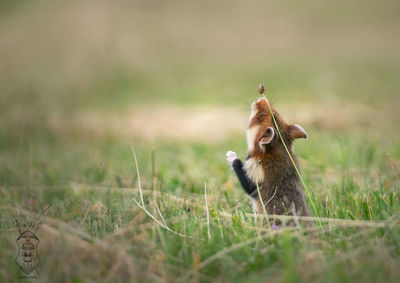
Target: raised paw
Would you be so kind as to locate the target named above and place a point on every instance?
(231, 156)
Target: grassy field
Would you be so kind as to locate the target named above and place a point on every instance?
(81, 84)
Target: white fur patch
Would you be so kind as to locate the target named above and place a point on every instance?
(253, 112)
(231, 156)
(254, 170)
(251, 137)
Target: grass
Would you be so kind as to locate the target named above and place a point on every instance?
(93, 200)
(82, 182)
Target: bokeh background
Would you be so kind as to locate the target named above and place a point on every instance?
(65, 66)
(83, 81)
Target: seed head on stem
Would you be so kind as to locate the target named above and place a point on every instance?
(261, 88)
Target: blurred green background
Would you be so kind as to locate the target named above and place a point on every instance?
(63, 58)
(83, 81)
(131, 72)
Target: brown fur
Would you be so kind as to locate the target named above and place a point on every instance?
(270, 166)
